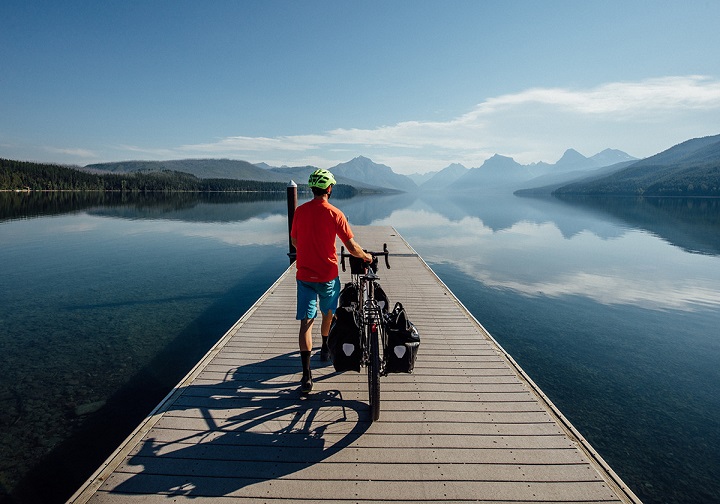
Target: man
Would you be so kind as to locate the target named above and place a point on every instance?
(314, 228)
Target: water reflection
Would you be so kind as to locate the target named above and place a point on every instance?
(692, 224)
(689, 223)
(536, 259)
(191, 207)
(600, 301)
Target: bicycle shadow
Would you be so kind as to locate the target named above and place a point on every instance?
(254, 426)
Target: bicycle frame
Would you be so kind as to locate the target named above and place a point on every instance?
(371, 314)
(373, 338)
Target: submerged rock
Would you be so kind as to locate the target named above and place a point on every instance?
(87, 408)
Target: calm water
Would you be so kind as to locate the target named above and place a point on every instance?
(611, 306)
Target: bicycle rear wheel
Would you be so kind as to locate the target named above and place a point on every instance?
(373, 370)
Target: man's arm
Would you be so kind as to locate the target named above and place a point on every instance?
(355, 249)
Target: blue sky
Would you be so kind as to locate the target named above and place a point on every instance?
(415, 85)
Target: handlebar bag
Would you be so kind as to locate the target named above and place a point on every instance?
(357, 266)
(344, 341)
(403, 342)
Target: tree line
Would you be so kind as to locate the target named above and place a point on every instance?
(25, 175)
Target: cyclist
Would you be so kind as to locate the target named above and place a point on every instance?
(314, 228)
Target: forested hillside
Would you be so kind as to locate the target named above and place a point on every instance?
(19, 175)
(201, 168)
(691, 168)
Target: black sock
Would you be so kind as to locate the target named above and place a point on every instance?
(305, 358)
(324, 342)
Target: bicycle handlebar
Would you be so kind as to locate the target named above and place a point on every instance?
(375, 255)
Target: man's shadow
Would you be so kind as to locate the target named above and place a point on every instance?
(254, 425)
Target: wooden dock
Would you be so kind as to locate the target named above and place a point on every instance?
(467, 426)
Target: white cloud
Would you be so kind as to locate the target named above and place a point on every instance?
(629, 99)
(77, 153)
(155, 153)
(641, 118)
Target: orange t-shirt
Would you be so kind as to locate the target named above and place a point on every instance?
(315, 225)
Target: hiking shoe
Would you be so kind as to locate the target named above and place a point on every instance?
(324, 354)
(306, 384)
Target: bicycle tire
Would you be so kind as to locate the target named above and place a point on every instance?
(373, 370)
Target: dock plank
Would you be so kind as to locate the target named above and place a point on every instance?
(467, 425)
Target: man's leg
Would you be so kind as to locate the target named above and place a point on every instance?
(305, 343)
(305, 336)
(328, 304)
(306, 311)
(327, 318)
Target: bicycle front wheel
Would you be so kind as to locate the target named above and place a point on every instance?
(373, 370)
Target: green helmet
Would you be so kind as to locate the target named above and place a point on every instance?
(321, 179)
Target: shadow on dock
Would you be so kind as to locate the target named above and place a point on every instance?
(252, 426)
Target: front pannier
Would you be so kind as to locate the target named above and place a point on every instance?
(381, 298)
(403, 342)
(348, 295)
(344, 341)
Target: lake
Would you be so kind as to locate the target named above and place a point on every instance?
(612, 306)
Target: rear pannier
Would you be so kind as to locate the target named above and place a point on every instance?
(403, 342)
(344, 341)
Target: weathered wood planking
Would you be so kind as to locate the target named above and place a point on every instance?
(467, 425)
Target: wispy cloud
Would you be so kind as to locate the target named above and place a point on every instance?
(536, 124)
(73, 153)
(155, 153)
(628, 99)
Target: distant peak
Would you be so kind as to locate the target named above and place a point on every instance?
(572, 152)
(501, 162)
(571, 156)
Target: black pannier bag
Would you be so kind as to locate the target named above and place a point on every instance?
(344, 341)
(348, 295)
(381, 298)
(403, 342)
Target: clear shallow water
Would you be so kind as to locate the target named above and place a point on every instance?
(104, 309)
(612, 307)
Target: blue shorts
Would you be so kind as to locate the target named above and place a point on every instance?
(308, 294)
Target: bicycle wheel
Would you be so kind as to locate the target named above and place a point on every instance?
(373, 370)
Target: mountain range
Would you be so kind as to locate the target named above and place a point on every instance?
(689, 168)
(364, 174)
(361, 172)
(364, 170)
(502, 172)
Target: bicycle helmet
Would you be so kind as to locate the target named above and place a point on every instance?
(321, 179)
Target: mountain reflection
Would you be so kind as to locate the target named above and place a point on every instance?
(691, 224)
(188, 207)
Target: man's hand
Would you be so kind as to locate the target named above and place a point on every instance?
(374, 263)
(355, 249)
